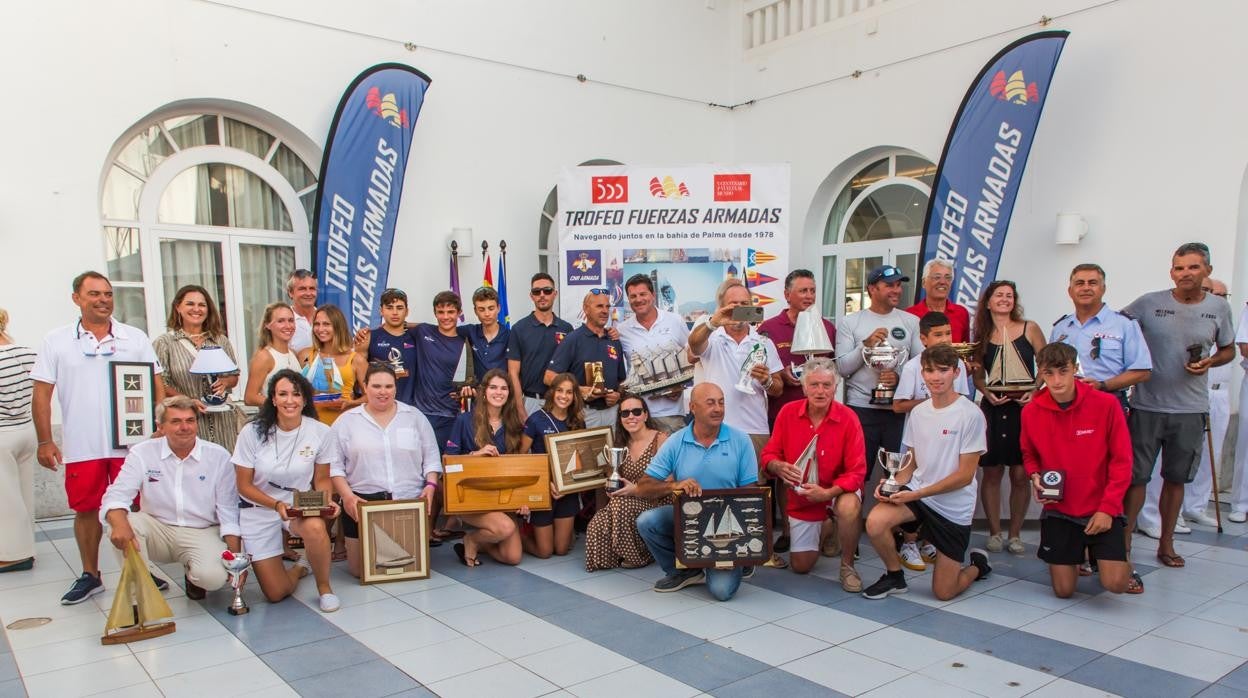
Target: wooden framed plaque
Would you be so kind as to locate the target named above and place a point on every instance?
(394, 540)
(310, 504)
(723, 529)
(132, 386)
(479, 484)
(577, 459)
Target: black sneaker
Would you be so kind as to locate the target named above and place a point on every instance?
(887, 584)
(679, 580)
(979, 558)
(160, 582)
(747, 572)
(84, 587)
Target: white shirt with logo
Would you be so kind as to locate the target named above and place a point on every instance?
(939, 438)
(286, 460)
(73, 360)
(721, 364)
(668, 333)
(194, 492)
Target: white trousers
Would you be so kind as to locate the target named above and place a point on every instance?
(198, 549)
(1197, 493)
(1239, 490)
(17, 492)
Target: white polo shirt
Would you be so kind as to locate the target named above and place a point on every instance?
(910, 385)
(394, 459)
(721, 364)
(81, 381)
(668, 333)
(285, 460)
(302, 338)
(194, 492)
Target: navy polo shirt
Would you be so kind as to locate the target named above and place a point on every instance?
(532, 344)
(538, 425)
(487, 354)
(463, 439)
(438, 357)
(380, 343)
(582, 346)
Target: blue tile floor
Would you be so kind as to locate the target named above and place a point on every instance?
(548, 627)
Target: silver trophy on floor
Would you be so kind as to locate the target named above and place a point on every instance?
(236, 565)
(894, 463)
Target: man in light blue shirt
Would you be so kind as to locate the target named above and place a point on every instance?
(706, 454)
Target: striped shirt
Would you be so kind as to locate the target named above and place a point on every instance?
(16, 385)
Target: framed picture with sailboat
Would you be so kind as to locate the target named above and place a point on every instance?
(394, 540)
(579, 459)
(723, 529)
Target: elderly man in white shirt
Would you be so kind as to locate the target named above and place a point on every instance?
(190, 504)
(651, 329)
(387, 450)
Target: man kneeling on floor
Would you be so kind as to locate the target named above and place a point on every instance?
(1078, 431)
(946, 435)
(189, 500)
(705, 454)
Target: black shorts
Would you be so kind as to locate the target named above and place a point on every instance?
(351, 529)
(1062, 542)
(950, 539)
(564, 507)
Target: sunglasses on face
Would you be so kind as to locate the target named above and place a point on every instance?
(1096, 348)
(635, 412)
(542, 291)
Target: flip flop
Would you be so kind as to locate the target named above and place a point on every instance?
(445, 534)
(1171, 560)
(463, 558)
(776, 562)
(1135, 585)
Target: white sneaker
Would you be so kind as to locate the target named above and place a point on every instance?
(1200, 517)
(995, 543)
(910, 557)
(1153, 532)
(1181, 527)
(329, 603)
(1016, 546)
(1238, 516)
(928, 551)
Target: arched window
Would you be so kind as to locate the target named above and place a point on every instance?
(548, 247)
(876, 217)
(220, 197)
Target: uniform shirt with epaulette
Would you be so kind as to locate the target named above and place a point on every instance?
(1109, 343)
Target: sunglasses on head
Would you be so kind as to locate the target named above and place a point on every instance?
(542, 291)
(634, 412)
(599, 291)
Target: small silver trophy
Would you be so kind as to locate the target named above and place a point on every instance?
(395, 358)
(614, 456)
(883, 357)
(756, 357)
(236, 565)
(894, 463)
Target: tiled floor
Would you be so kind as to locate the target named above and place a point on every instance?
(550, 628)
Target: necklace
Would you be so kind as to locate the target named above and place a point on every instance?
(284, 463)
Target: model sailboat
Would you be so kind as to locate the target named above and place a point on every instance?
(574, 469)
(808, 462)
(728, 530)
(390, 555)
(1009, 374)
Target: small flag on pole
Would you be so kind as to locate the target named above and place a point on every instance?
(488, 279)
(504, 313)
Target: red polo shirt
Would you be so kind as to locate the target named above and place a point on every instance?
(959, 318)
(779, 330)
(840, 451)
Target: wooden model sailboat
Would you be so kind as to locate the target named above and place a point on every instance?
(808, 462)
(390, 555)
(137, 604)
(728, 530)
(1009, 374)
(576, 471)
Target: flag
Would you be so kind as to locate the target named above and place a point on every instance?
(488, 279)
(504, 314)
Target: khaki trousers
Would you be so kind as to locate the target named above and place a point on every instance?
(17, 492)
(198, 549)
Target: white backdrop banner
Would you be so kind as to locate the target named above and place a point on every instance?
(687, 227)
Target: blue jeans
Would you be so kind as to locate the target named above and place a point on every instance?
(658, 531)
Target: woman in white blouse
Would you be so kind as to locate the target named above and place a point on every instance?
(386, 450)
(284, 449)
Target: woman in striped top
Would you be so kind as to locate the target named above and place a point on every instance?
(17, 454)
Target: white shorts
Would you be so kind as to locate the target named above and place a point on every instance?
(803, 535)
(263, 532)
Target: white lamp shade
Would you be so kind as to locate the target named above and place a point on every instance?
(810, 336)
(212, 360)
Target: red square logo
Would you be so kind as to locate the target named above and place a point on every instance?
(732, 187)
(609, 190)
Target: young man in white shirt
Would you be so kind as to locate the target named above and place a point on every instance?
(190, 502)
(946, 435)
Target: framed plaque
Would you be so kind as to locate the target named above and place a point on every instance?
(394, 540)
(578, 460)
(479, 484)
(723, 529)
(309, 504)
(132, 386)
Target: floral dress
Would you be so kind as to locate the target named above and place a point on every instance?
(612, 539)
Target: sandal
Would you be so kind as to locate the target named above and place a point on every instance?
(339, 556)
(1171, 560)
(1135, 585)
(463, 558)
(446, 534)
(292, 556)
(776, 562)
(1085, 569)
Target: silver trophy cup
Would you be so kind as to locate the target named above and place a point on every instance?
(614, 456)
(894, 463)
(236, 565)
(883, 357)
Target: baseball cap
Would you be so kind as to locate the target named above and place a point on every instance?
(887, 273)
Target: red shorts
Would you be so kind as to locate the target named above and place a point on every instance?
(85, 481)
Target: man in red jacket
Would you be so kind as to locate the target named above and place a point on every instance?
(1080, 432)
(838, 463)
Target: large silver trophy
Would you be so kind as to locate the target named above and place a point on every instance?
(236, 565)
(894, 463)
(883, 357)
(756, 357)
(614, 456)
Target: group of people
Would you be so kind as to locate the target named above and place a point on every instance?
(369, 415)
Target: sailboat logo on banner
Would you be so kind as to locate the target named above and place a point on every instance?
(387, 107)
(1015, 90)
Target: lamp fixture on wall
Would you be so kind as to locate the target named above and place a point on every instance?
(1071, 227)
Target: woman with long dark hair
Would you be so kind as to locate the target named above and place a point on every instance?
(564, 410)
(1001, 333)
(285, 449)
(492, 428)
(612, 539)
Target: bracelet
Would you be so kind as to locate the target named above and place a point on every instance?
(44, 443)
